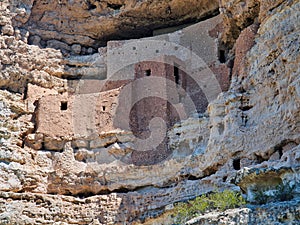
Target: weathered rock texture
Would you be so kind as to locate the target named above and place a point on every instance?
(279, 213)
(83, 26)
(255, 124)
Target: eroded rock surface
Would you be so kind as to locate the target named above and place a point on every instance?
(280, 213)
(255, 124)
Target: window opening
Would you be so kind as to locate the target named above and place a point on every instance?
(222, 56)
(236, 164)
(176, 74)
(147, 72)
(63, 106)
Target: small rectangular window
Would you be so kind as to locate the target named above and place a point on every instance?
(147, 72)
(176, 74)
(63, 106)
(222, 56)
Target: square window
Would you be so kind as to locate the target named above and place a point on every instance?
(147, 73)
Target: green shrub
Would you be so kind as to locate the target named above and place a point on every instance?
(227, 199)
(183, 212)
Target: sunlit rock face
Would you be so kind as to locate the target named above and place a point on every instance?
(246, 139)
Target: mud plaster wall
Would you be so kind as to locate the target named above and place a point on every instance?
(34, 93)
(76, 115)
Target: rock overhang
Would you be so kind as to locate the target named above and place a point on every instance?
(67, 25)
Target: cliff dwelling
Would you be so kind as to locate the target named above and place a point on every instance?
(162, 69)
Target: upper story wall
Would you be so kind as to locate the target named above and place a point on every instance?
(195, 48)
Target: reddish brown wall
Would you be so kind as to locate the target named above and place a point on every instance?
(156, 106)
(243, 44)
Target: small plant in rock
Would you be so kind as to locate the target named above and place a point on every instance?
(227, 199)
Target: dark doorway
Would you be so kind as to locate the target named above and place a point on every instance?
(236, 164)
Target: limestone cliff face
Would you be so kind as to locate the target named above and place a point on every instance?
(248, 138)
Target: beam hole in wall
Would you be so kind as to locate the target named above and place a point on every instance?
(63, 105)
(147, 72)
(103, 108)
(236, 164)
(244, 119)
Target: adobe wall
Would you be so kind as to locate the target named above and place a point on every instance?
(54, 116)
(159, 94)
(150, 106)
(34, 93)
(243, 44)
(63, 117)
(89, 86)
(196, 49)
(106, 107)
